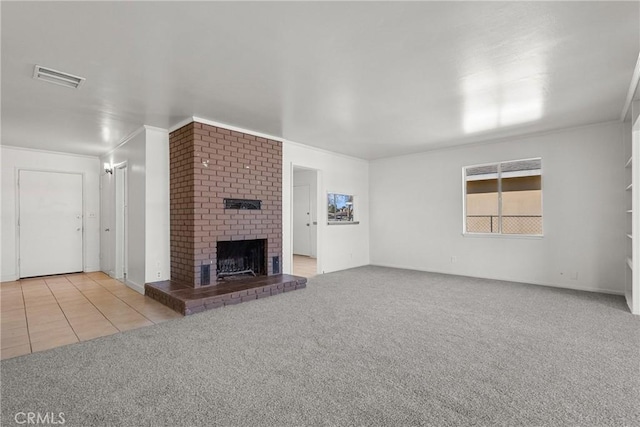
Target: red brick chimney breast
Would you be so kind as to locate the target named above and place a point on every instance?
(207, 165)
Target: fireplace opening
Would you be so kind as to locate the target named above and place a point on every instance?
(241, 258)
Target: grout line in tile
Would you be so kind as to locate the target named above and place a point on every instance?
(26, 320)
(64, 314)
(96, 307)
(128, 305)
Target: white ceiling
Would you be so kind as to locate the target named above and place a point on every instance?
(364, 79)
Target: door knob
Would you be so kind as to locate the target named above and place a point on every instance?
(106, 229)
(307, 224)
(78, 229)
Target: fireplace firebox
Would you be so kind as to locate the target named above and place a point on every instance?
(241, 257)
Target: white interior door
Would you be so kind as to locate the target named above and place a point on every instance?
(301, 221)
(50, 223)
(120, 264)
(107, 228)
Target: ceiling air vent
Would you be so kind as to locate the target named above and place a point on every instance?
(57, 77)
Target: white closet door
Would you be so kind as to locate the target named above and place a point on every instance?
(50, 223)
(107, 227)
(301, 221)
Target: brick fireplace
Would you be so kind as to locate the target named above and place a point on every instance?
(225, 188)
(209, 164)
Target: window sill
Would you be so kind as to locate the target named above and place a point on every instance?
(505, 236)
(342, 222)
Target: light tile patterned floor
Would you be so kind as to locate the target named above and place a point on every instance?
(47, 312)
(304, 266)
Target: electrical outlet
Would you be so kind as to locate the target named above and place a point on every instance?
(158, 274)
(454, 259)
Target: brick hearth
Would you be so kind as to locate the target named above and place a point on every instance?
(188, 300)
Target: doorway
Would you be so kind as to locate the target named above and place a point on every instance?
(305, 221)
(114, 222)
(50, 223)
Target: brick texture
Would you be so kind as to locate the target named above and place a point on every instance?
(207, 165)
(187, 300)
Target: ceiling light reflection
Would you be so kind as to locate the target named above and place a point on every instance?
(500, 98)
(106, 134)
(478, 120)
(513, 114)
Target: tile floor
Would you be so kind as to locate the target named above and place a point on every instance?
(304, 266)
(43, 313)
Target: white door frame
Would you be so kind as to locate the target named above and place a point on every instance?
(17, 171)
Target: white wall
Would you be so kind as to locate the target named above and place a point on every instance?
(309, 178)
(14, 159)
(157, 254)
(147, 156)
(416, 212)
(339, 246)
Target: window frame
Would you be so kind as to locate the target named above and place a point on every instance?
(500, 234)
(353, 209)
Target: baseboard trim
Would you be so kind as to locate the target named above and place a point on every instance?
(11, 278)
(350, 267)
(135, 286)
(503, 279)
